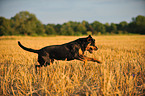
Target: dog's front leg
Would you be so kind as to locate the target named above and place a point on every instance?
(93, 59)
(82, 58)
(85, 59)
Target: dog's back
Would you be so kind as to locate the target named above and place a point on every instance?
(68, 51)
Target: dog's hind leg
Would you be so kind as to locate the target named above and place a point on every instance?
(51, 61)
(41, 62)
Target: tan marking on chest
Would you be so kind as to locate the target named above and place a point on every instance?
(88, 46)
(80, 52)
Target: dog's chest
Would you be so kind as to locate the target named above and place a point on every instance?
(80, 51)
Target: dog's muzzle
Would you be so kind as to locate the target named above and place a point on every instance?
(92, 48)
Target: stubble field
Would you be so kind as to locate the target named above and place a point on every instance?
(122, 72)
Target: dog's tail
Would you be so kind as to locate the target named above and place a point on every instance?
(27, 49)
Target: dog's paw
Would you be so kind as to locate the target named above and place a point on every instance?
(99, 62)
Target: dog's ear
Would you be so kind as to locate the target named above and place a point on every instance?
(89, 38)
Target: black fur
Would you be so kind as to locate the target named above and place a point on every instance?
(68, 51)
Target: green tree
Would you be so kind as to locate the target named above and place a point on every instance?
(66, 29)
(98, 27)
(73, 25)
(49, 29)
(57, 28)
(113, 28)
(137, 25)
(122, 27)
(27, 24)
(5, 27)
(81, 29)
(107, 27)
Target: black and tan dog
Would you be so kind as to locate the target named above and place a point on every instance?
(68, 51)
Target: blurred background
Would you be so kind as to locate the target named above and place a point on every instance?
(67, 17)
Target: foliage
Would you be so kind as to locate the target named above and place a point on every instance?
(25, 23)
(137, 25)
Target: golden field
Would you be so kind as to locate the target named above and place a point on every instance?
(122, 72)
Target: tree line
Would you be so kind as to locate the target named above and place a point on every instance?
(25, 23)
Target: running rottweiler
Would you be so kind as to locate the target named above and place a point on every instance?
(68, 51)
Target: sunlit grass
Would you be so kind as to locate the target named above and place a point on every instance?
(122, 71)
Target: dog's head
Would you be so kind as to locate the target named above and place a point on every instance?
(91, 44)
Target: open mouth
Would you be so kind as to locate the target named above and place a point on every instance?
(90, 50)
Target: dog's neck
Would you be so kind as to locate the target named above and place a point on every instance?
(83, 44)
